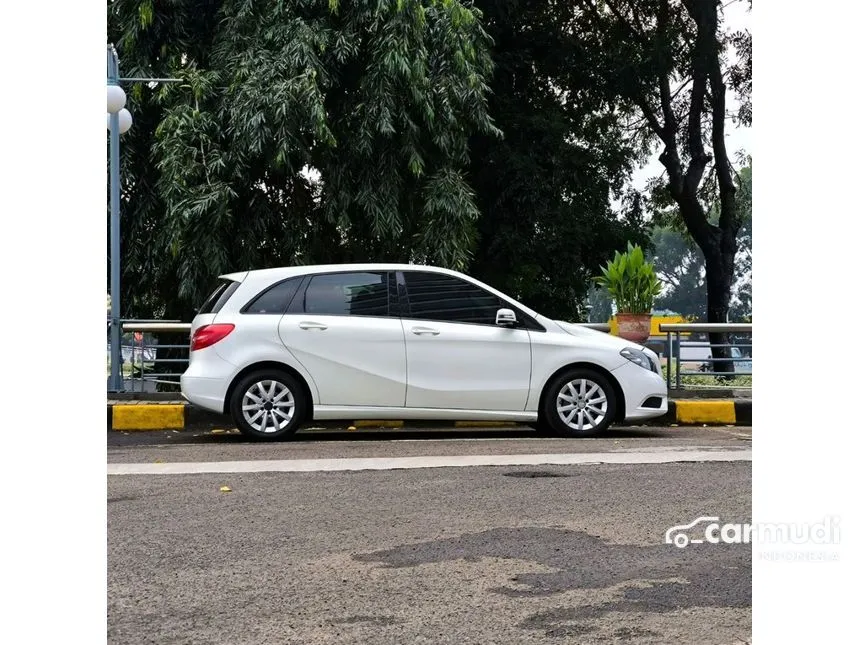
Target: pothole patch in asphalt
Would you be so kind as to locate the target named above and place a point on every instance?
(533, 474)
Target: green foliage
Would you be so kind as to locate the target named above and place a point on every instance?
(395, 110)
(631, 281)
(599, 305)
(668, 65)
(303, 132)
(545, 189)
(680, 264)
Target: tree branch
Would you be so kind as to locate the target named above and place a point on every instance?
(706, 64)
(696, 147)
(651, 117)
(623, 20)
(665, 56)
(721, 157)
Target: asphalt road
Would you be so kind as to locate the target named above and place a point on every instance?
(468, 554)
(226, 443)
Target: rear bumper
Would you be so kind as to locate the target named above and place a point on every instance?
(206, 380)
(639, 386)
(203, 392)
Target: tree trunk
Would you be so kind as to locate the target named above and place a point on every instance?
(719, 246)
(719, 271)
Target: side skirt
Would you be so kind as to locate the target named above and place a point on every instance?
(342, 412)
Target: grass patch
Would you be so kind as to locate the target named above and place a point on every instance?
(736, 381)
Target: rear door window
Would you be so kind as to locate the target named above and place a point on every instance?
(362, 293)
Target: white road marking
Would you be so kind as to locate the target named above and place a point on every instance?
(394, 463)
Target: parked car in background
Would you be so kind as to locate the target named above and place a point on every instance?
(276, 348)
(697, 355)
(741, 366)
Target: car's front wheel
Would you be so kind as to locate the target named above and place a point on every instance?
(579, 403)
(268, 405)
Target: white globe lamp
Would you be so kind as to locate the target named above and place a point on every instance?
(125, 121)
(115, 98)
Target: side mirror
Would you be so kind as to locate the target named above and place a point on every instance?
(506, 318)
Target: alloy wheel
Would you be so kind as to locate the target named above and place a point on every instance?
(268, 406)
(582, 404)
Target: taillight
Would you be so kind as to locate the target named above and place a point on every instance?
(209, 335)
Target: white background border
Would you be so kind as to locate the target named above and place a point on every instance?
(806, 284)
(52, 249)
(53, 245)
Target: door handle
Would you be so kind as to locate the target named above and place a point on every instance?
(425, 331)
(312, 325)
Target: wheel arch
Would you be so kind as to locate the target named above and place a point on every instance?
(620, 403)
(271, 365)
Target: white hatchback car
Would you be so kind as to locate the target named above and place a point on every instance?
(276, 348)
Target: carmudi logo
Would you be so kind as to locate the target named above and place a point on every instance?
(709, 529)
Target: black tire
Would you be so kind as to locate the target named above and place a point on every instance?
(542, 428)
(580, 425)
(276, 421)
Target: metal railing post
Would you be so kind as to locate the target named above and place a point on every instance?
(669, 361)
(156, 326)
(675, 378)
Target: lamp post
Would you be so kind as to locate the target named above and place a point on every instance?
(118, 121)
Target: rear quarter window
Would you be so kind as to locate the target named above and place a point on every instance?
(274, 299)
(218, 297)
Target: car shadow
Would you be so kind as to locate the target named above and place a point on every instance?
(206, 434)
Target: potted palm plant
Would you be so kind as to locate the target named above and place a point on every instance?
(633, 285)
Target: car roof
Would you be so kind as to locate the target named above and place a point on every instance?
(278, 273)
(282, 273)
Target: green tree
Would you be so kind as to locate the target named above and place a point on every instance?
(599, 304)
(681, 265)
(545, 189)
(741, 307)
(303, 131)
(666, 63)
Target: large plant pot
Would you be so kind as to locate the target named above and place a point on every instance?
(634, 327)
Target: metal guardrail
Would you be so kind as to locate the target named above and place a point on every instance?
(597, 326)
(154, 326)
(144, 375)
(745, 328)
(148, 364)
(699, 353)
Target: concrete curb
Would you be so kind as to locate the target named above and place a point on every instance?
(135, 415)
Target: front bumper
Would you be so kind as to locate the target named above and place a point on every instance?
(639, 385)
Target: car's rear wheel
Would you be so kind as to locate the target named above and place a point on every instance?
(268, 405)
(579, 403)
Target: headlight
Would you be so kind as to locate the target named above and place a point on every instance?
(640, 358)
